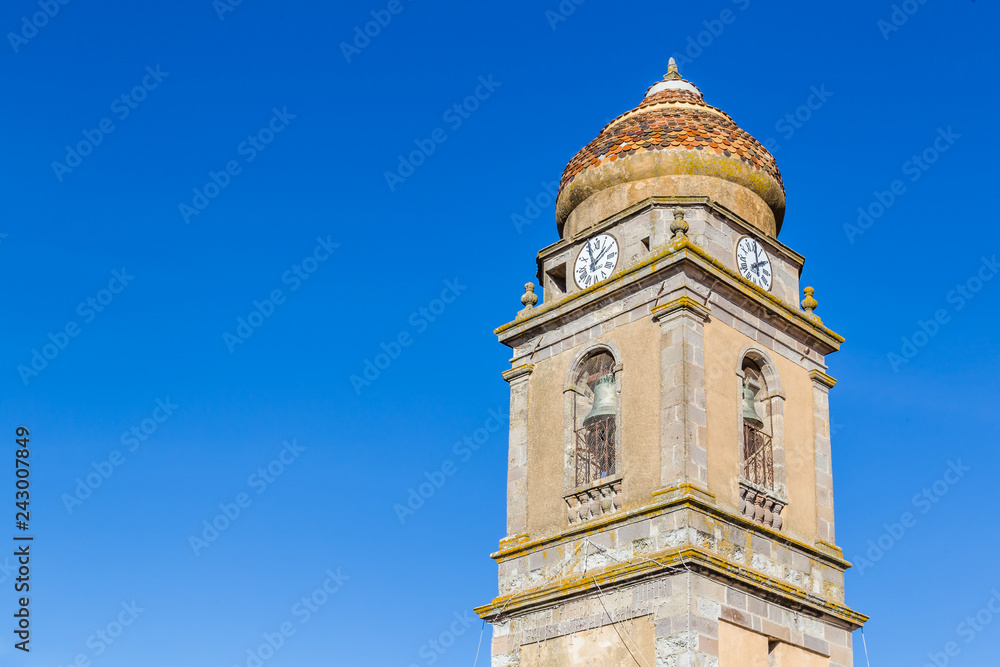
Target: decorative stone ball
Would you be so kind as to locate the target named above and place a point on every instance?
(529, 298)
(809, 303)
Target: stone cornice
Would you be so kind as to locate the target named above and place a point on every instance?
(512, 541)
(656, 564)
(819, 377)
(828, 545)
(680, 496)
(679, 250)
(685, 303)
(518, 371)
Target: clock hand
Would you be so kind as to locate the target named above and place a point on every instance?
(591, 253)
(606, 249)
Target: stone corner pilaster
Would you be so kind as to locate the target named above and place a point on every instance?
(683, 419)
(822, 383)
(517, 456)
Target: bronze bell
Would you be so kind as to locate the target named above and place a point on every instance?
(604, 399)
(750, 413)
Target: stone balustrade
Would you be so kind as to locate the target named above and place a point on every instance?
(761, 505)
(595, 499)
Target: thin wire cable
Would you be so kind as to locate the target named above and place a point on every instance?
(600, 598)
(481, 629)
(673, 568)
(586, 541)
(670, 568)
(687, 639)
(566, 562)
(547, 580)
(864, 642)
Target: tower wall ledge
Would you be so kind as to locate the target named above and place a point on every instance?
(682, 528)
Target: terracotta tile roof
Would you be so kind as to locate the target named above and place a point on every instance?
(672, 119)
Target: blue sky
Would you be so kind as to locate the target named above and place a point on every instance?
(231, 220)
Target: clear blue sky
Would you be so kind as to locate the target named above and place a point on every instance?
(299, 141)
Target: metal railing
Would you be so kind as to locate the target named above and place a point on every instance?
(595, 450)
(758, 457)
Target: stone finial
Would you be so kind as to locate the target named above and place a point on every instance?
(672, 72)
(529, 298)
(679, 225)
(809, 303)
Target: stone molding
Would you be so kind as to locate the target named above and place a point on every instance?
(821, 378)
(683, 496)
(514, 541)
(683, 303)
(586, 350)
(589, 328)
(679, 491)
(679, 250)
(661, 562)
(830, 548)
(518, 372)
(759, 356)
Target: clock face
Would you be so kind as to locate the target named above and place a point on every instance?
(596, 261)
(752, 262)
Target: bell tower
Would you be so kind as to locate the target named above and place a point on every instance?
(669, 482)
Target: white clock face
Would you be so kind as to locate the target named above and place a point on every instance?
(752, 262)
(596, 261)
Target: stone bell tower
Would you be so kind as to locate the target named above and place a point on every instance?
(670, 489)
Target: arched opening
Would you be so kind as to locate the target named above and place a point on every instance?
(758, 452)
(761, 431)
(595, 419)
(593, 433)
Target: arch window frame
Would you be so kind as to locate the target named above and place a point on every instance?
(769, 401)
(577, 403)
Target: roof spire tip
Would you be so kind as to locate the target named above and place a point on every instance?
(672, 72)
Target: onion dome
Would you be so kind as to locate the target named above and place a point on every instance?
(672, 144)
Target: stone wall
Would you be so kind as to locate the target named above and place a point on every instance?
(684, 614)
(726, 538)
(661, 546)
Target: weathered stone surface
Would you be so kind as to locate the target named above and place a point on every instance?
(677, 541)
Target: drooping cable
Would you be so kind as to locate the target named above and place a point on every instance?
(668, 568)
(558, 572)
(600, 598)
(478, 646)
